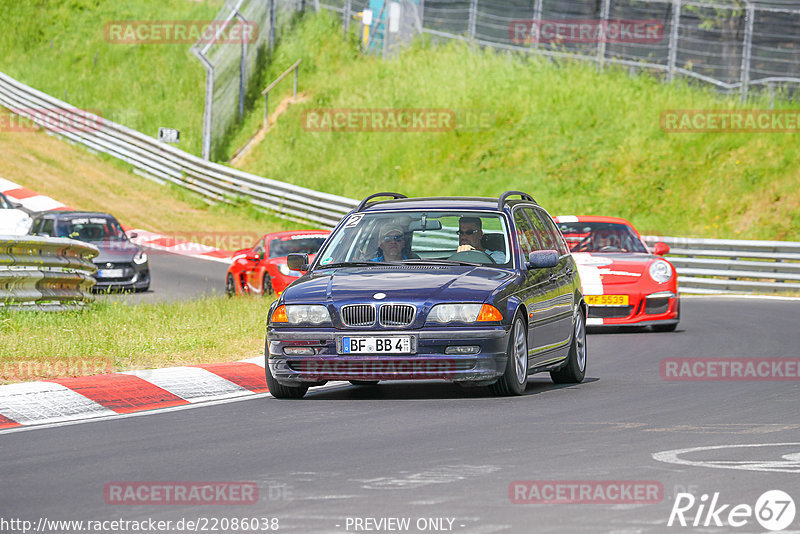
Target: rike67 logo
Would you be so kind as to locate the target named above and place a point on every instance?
(774, 510)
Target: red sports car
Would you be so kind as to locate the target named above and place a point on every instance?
(262, 270)
(624, 283)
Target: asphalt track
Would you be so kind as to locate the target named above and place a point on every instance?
(174, 277)
(432, 450)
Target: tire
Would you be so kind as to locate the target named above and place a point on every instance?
(515, 378)
(266, 285)
(230, 285)
(364, 382)
(283, 392)
(575, 369)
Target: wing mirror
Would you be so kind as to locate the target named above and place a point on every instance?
(133, 235)
(297, 262)
(659, 249)
(542, 259)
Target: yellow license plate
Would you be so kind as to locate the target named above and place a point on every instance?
(607, 300)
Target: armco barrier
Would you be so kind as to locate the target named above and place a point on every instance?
(733, 266)
(45, 273)
(164, 162)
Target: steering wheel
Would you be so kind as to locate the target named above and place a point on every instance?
(472, 256)
(609, 248)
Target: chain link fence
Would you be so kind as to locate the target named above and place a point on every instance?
(232, 57)
(736, 45)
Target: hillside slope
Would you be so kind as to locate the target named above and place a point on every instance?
(580, 141)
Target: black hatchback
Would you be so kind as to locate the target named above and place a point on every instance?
(121, 264)
(477, 291)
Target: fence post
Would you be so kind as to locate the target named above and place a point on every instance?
(747, 49)
(673, 39)
(537, 21)
(473, 16)
(242, 68)
(346, 21)
(273, 19)
(601, 45)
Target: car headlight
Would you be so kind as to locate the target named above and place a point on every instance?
(286, 271)
(464, 313)
(301, 313)
(140, 258)
(660, 271)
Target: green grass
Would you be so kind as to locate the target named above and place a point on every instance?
(59, 47)
(580, 141)
(111, 336)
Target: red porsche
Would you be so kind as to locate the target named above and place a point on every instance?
(262, 269)
(624, 282)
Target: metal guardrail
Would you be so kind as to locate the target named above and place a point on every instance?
(45, 273)
(166, 163)
(733, 266)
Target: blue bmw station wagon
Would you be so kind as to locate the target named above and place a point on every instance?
(476, 291)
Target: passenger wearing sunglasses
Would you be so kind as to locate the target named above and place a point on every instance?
(470, 233)
(391, 244)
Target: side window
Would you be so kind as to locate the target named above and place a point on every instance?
(525, 233)
(545, 239)
(552, 232)
(47, 227)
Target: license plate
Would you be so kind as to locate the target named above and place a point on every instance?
(376, 345)
(110, 273)
(607, 300)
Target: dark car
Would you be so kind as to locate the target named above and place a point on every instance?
(477, 291)
(121, 264)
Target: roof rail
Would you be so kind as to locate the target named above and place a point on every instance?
(504, 196)
(385, 194)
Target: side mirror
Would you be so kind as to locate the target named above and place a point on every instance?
(542, 259)
(659, 249)
(133, 235)
(297, 262)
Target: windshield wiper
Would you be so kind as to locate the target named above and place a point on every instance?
(356, 264)
(446, 262)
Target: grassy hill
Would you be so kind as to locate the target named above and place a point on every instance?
(580, 141)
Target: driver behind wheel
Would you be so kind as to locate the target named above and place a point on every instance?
(605, 239)
(470, 233)
(391, 243)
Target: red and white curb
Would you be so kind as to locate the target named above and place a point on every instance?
(72, 399)
(36, 202)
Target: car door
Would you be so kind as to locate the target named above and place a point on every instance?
(564, 304)
(538, 293)
(256, 269)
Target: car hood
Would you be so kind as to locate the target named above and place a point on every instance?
(418, 284)
(115, 251)
(14, 222)
(598, 269)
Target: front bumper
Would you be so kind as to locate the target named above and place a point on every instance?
(643, 309)
(430, 362)
(134, 277)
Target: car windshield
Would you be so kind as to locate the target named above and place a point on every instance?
(601, 237)
(419, 237)
(295, 245)
(5, 204)
(91, 229)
